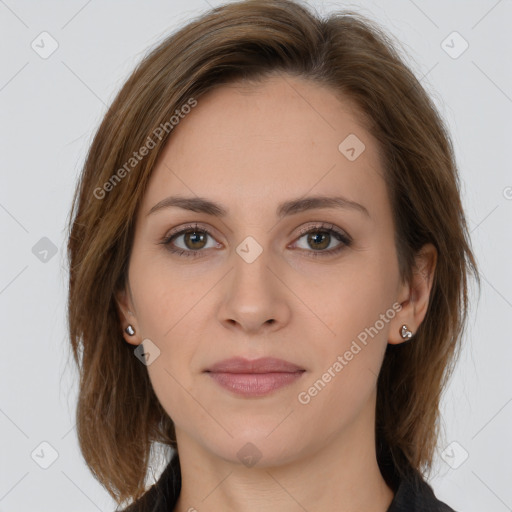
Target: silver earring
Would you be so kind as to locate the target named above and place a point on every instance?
(405, 332)
(130, 330)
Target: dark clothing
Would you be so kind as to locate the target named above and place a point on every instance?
(412, 493)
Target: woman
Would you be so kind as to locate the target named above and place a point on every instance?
(269, 214)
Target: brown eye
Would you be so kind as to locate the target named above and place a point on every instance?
(319, 238)
(194, 240)
(189, 241)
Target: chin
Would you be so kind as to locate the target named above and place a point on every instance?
(254, 447)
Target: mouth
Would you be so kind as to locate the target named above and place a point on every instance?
(254, 378)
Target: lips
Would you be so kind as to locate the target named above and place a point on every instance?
(256, 378)
(262, 365)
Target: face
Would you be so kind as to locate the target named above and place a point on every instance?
(314, 284)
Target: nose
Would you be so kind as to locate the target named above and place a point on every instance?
(254, 298)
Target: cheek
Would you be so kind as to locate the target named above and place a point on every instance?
(358, 311)
(347, 364)
(353, 302)
(163, 297)
(167, 305)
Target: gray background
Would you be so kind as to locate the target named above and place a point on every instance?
(50, 108)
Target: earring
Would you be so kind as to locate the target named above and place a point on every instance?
(405, 332)
(130, 330)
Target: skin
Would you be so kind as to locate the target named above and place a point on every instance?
(249, 148)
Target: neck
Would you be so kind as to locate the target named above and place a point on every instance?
(342, 476)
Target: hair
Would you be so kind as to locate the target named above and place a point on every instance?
(118, 416)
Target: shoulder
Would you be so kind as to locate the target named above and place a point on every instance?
(414, 494)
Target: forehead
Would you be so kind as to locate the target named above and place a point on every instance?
(261, 143)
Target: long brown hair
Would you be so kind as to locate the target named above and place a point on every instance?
(119, 417)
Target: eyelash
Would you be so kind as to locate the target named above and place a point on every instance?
(322, 228)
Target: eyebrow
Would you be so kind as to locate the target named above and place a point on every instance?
(291, 207)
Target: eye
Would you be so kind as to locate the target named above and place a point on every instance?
(194, 240)
(320, 237)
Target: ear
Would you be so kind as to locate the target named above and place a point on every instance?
(125, 310)
(414, 297)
